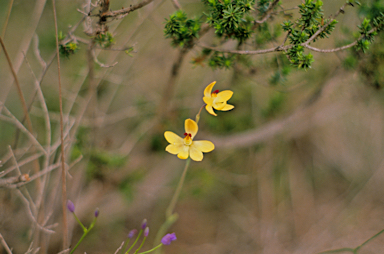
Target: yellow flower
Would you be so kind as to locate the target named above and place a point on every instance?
(216, 100)
(186, 147)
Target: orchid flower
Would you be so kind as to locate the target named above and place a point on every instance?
(216, 100)
(186, 147)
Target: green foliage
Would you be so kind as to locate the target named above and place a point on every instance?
(221, 60)
(230, 19)
(126, 187)
(101, 162)
(275, 104)
(369, 63)
(181, 30)
(104, 40)
(310, 21)
(262, 6)
(68, 48)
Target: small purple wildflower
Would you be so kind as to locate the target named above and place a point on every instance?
(70, 206)
(144, 224)
(132, 233)
(168, 238)
(146, 231)
(97, 212)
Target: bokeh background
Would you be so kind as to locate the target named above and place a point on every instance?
(298, 165)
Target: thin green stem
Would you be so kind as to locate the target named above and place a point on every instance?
(126, 244)
(148, 251)
(81, 224)
(137, 239)
(198, 114)
(337, 250)
(175, 197)
(171, 217)
(85, 232)
(141, 245)
(370, 239)
(354, 251)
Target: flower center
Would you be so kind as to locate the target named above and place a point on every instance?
(214, 94)
(187, 139)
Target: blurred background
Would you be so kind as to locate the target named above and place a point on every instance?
(298, 165)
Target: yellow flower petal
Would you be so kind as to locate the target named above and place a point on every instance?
(227, 107)
(183, 153)
(191, 127)
(224, 96)
(203, 145)
(208, 89)
(174, 149)
(219, 105)
(172, 138)
(195, 154)
(208, 100)
(210, 110)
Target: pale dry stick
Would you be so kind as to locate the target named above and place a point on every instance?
(5, 245)
(64, 251)
(36, 51)
(30, 215)
(12, 119)
(118, 249)
(24, 106)
(63, 171)
(37, 249)
(21, 163)
(27, 37)
(88, 97)
(7, 182)
(47, 123)
(176, 4)
(19, 91)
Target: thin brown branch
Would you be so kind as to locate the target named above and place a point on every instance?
(314, 36)
(176, 4)
(110, 14)
(19, 91)
(331, 50)
(63, 170)
(268, 13)
(247, 52)
(7, 19)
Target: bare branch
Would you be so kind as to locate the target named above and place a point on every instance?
(5, 245)
(132, 8)
(268, 13)
(30, 215)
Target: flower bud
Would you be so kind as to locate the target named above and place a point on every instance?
(168, 238)
(132, 233)
(146, 231)
(97, 212)
(144, 224)
(70, 206)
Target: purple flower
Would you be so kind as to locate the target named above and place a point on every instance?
(168, 238)
(146, 231)
(132, 233)
(97, 212)
(70, 206)
(144, 224)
